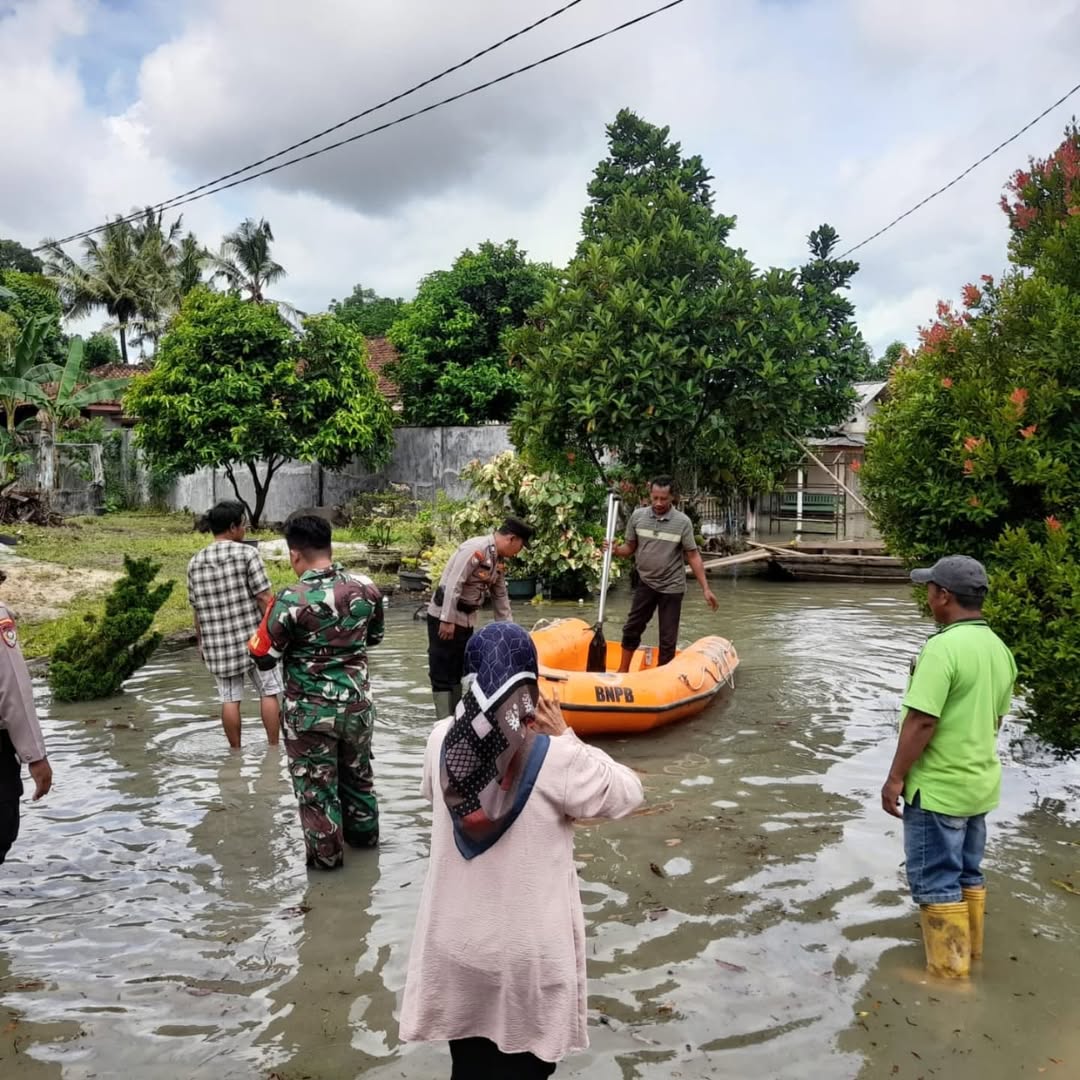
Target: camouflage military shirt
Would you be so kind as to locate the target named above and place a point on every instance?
(321, 628)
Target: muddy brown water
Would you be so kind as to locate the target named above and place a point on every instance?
(156, 920)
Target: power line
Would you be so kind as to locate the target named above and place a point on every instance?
(215, 186)
(351, 119)
(986, 157)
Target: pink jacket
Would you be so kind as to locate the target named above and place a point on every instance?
(499, 945)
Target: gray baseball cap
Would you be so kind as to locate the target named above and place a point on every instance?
(957, 573)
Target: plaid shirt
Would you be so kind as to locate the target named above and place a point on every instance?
(223, 581)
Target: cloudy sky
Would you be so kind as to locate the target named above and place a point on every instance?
(805, 111)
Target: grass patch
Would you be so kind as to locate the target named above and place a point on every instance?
(101, 543)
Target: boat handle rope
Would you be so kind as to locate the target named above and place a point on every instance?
(704, 671)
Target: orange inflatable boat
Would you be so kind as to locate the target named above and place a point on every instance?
(646, 697)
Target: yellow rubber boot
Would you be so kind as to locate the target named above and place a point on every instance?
(975, 898)
(947, 937)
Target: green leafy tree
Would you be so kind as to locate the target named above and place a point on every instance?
(976, 449)
(25, 297)
(371, 314)
(663, 346)
(100, 350)
(96, 658)
(642, 162)
(454, 367)
(244, 260)
(234, 387)
(13, 256)
(877, 370)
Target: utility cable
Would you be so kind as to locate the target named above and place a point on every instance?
(215, 186)
(971, 168)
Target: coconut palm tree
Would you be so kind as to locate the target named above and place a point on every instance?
(110, 276)
(244, 260)
(139, 271)
(191, 257)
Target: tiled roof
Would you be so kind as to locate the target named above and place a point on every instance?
(119, 371)
(381, 353)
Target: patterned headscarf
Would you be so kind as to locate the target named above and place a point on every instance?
(490, 758)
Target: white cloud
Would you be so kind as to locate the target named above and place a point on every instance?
(846, 111)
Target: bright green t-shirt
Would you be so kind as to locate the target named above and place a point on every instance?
(964, 676)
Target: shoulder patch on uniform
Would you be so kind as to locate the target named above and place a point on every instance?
(7, 632)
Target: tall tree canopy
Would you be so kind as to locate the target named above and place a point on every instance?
(666, 347)
(371, 314)
(454, 366)
(976, 450)
(234, 387)
(27, 298)
(13, 256)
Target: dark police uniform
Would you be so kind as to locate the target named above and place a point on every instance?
(20, 733)
(474, 571)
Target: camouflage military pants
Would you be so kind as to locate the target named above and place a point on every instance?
(334, 784)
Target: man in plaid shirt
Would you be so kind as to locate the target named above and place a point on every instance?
(229, 590)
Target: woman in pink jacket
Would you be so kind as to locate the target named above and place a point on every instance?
(497, 966)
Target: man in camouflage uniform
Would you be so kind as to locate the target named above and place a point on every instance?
(320, 628)
(476, 569)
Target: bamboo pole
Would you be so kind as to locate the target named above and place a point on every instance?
(817, 461)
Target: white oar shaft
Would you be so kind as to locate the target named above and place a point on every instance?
(605, 574)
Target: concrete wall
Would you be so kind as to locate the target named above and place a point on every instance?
(426, 460)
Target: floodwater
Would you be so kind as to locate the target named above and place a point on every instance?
(156, 919)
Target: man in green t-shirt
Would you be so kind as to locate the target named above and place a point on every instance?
(946, 769)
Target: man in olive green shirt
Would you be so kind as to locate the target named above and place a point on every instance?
(661, 539)
(946, 768)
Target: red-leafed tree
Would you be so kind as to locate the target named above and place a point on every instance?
(978, 449)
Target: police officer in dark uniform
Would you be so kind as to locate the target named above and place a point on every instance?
(20, 733)
(477, 568)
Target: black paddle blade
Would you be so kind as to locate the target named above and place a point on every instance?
(597, 652)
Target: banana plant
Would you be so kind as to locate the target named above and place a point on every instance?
(68, 398)
(22, 382)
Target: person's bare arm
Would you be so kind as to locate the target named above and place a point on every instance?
(915, 736)
(623, 550)
(264, 600)
(698, 567)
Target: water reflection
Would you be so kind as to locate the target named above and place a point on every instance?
(157, 919)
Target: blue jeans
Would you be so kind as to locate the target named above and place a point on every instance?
(944, 853)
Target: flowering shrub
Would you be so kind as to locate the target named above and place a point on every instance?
(566, 512)
(977, 449)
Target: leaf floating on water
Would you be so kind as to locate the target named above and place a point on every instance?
(862, 1013)
(656, 870)
(673, 842)
(739, 969)
(33, 984)
(1067, 887)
